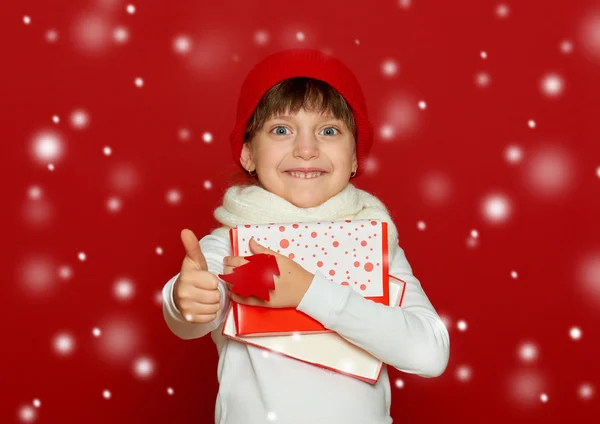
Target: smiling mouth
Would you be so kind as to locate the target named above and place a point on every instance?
(305, 175)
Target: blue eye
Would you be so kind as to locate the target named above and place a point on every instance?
(278, 128)
(330, 128)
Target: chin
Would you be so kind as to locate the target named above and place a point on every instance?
(305, 203)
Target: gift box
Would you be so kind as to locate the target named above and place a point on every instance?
(328, 350)
(349, 252)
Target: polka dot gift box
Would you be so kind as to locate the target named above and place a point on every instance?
(349, 252)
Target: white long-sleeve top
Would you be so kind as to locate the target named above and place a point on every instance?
(256, 388)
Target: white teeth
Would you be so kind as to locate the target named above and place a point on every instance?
(305, 174)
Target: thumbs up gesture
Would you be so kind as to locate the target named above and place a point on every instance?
(196, 292)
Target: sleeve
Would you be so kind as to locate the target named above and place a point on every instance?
(411, 338)
(214, 248)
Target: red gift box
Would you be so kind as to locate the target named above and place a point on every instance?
(329, 351)
(351, 252)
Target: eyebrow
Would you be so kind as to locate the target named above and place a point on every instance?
(291, 118)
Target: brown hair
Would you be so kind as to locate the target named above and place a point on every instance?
(293, 94)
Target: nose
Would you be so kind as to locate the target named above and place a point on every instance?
(306, 146)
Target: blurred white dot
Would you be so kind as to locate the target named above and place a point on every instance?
(113, 204)
(482, 79)
(357, 42)
(236, 58)
(27, 20)
(51, 35)
(566, 46)
(544, 397)
(51, 167)
(461, 325)
(463, 373)
(120, 35)
(107, 151)
(300, 36)
(421, 225)
(514, 274)
(35, 192)
(106, 394)
(182, 44)
(483, 55)
(404, 4)
(528, 352)
(598, 172)
(184, 134)
(422, 105)
(139, 82)
(144, 367)
(170, 391)
(158, 299)
(271, 416)
(79, 119)
(531, 123)
(91, 32)
(130, 9)
(81, 256)
(389, 67)
(550, 171)
(65, 272)
(474, 233)
(96, 332)
(27, 414)
(37, 403)
(502, 10)
(472, 242)
(399, 383)
(159, 250)
(575, 333)
(173, 196)
(586, 391)
(552, 85)
(55, 119)
(207, 185)
(124, 289)
(188, 317)
(47, 146)
(207, 137)
(371, 165)
(63, 343)
(496, 208)
(386, 132)
(265, 354)
(446, 321)
(513, 154)
(261, 38)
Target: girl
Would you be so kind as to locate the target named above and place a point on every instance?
(302, 133)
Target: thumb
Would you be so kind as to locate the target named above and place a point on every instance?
(256, 248)
(193, 254)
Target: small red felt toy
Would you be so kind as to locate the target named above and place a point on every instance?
(254, 278)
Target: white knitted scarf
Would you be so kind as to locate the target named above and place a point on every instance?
(253, 204)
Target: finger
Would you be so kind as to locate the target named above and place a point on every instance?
(202, 280)
(234, 261)
(200, 318)
(193, 255)
(256, 248)
(252, 300)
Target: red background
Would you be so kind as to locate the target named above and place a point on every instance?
(439, 167)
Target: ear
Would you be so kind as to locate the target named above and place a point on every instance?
(246, 158)
(354, 161)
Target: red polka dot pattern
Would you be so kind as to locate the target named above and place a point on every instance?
(329, 250)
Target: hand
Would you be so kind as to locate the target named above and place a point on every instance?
(290, 286)
(196, 292)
